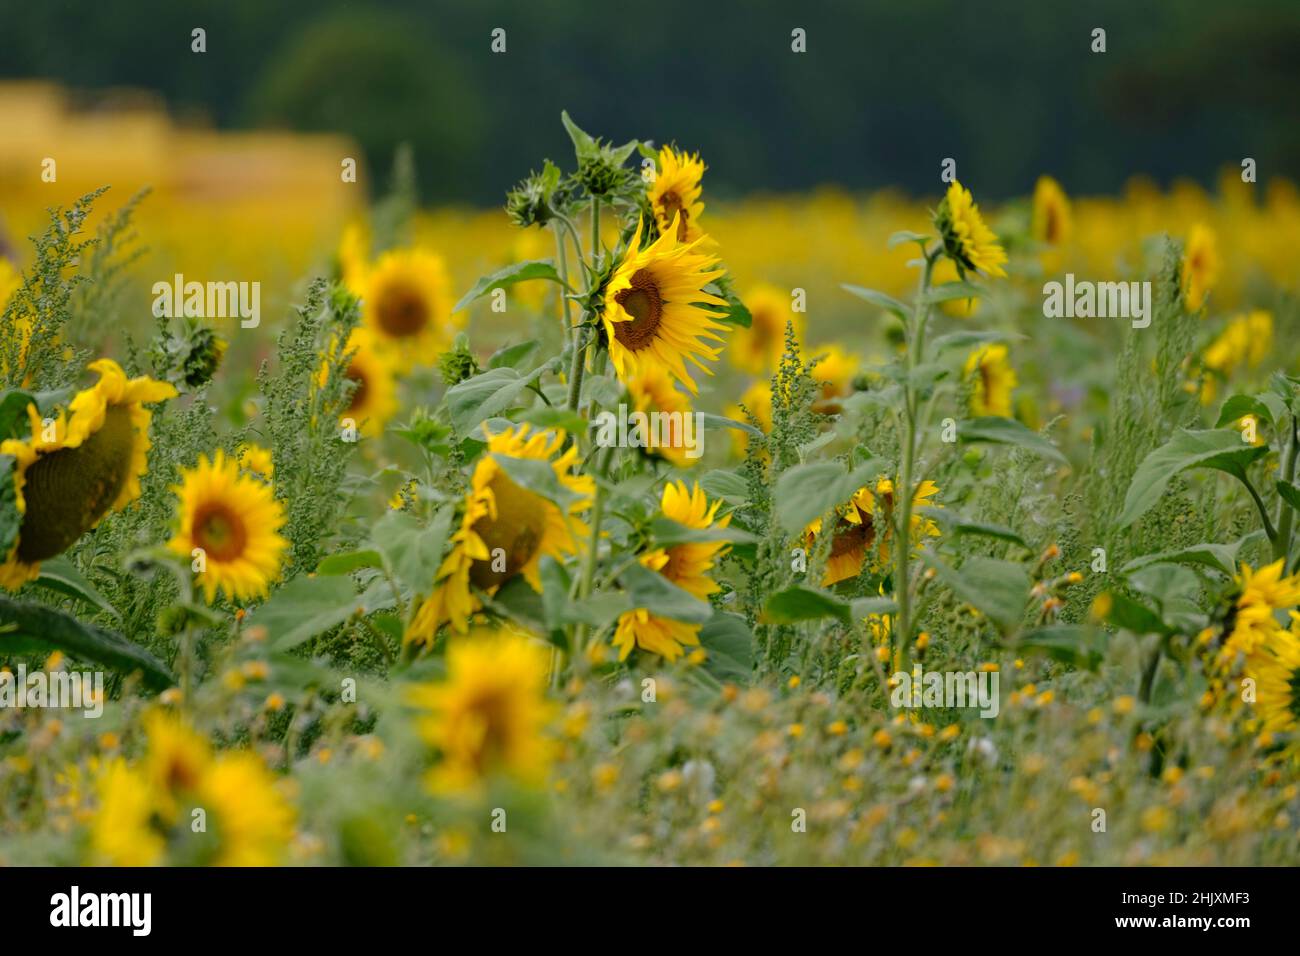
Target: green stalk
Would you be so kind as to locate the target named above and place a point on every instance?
(903, 488)
(566, 307)
(588, 576)
(1285, 513)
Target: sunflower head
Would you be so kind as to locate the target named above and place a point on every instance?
(531, 202)
(652, 390)
(1200, 266)
(967, 240)
(675, 194)
(505, 529)
(74, 469)
(1277, 692)
(758, 349)
(863, 529)
(371, 370)
(656, 311)
(407, 305)
(992, 379)
(833, 371)
(488, 716)
(1051, 221)
(229, 525)
(686, 565)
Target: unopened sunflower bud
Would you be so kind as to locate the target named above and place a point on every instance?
(457, 363)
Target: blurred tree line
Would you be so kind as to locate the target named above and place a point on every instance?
(883, 93)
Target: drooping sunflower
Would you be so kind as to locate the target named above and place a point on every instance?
(1200, 265)
(488, 716)
(407, 305)
(652, 390)
(686, 565)
(372, 370)
(234, 520)
(656, 311)
(992, 380)
(505, 529)
(967, 240)
(758, 349)
(864, 528)
(1051, 221)
(675, 194)
(70, 473)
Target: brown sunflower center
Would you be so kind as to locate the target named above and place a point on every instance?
(1053, 225)
(68, 491)
(358, 400)
(219, 531)
(513, 537)
(643, 302)
(671, 203)
(491, 714)
(852, 538)
(402, 311)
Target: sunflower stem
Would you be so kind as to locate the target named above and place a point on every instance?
(1285, 513)
(593, 546)
(566, 307)
(595, 228)
(903, 489)
(578, 366)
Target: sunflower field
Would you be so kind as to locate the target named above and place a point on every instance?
(631, 526)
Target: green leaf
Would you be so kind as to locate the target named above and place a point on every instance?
(1000, 589)
(967, 340)
(61, 575)
(954, 525)
(715, 422)
(803, 603)
(808, 491)
(905, 236)
(1221, 557)
(947, 291)
(1289, 493)
(13, 413)
(727, 485)
(411, 551)
(350, 561)
(864, 607)
(736, 312)
(35, 627)
(649, 589)
(665, 532)
(485, 395)
(996, 430)
(306, 607)
(11, 520)
(1165, 582)
(1071, 643)
(538, 476)
(548, 417)
(511, 274)
(886, 302)
(1219, 449)
(583, 144)
(1133, 615)
(729, 645)
(513, 356)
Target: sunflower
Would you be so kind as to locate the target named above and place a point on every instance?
(946, 271)
(833, 372)
(652, 390)
(406, 304)
(992, 379)
(864, 528)
(505, 523)
(1200, 265)
(123, 831)
(70, 473)
(758, 349)
(756, 401)
(371, 369)
(1253, 620)
(969, 243)
(655, 310)
(685, 565)
(487, 717)
(1245, 342)
(234, 521)
(675, 194)
(354, 256)
(1277, 688)
(1051, 221)
(254, 822)
(256, 459)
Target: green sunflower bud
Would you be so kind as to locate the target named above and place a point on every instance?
(457, 363)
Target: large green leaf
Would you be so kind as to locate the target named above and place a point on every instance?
(803, 603)
(667, 533)
(727, 485)
(306, 607)
(886, 302)
(996, 430)
(809, 491)
(61, 575)
(28, 627)
(486, 395)
(511, 274)
(651, 590)
(729, 645)
(1072, 643)
(998, 588)
(411, 550)
(1220, 449)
